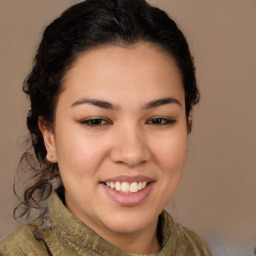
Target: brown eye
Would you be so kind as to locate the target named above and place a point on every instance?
(160, 121)
(95, 122)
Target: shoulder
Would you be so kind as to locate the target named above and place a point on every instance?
(186, 241)
(193, 240)
(22, 242)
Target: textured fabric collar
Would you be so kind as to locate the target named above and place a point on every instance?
(75, 234)
(60, 233)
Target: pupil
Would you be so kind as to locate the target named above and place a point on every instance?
(96, 121)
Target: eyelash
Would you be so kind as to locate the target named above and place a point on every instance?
(160, 121)
(98, 122)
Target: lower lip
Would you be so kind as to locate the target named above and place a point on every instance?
(128, 199)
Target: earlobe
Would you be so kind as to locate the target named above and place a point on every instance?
(49, 141)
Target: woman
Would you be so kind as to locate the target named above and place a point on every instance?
(111, 92)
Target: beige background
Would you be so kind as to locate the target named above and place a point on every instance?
(217, 197)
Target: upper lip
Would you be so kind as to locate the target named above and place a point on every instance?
(129, 179)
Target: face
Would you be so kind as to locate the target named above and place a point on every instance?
(120, 137)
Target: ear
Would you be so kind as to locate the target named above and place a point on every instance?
(189, 123)
(49, 141)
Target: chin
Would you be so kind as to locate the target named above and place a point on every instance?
(131, 222)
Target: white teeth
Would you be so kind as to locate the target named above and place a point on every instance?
(134, 187)
(125, 187)
(118, 186)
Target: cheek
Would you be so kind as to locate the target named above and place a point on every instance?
(170, 154)
(79, 155)
(171, 151)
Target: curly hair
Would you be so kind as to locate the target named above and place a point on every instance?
(82, 27)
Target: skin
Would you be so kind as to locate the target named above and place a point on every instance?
(130, 139)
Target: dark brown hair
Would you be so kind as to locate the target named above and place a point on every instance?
(84, 26)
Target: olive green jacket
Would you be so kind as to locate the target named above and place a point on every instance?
(62, 234)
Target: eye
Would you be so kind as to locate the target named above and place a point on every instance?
(160, 121)
(95, 122)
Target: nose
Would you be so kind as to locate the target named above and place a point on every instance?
(130, 147)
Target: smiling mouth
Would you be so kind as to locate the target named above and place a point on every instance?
(126, 187)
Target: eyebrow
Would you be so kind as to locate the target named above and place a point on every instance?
(161, 102)
(108, 105)
(95, 102)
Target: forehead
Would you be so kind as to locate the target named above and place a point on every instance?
(123, 71)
